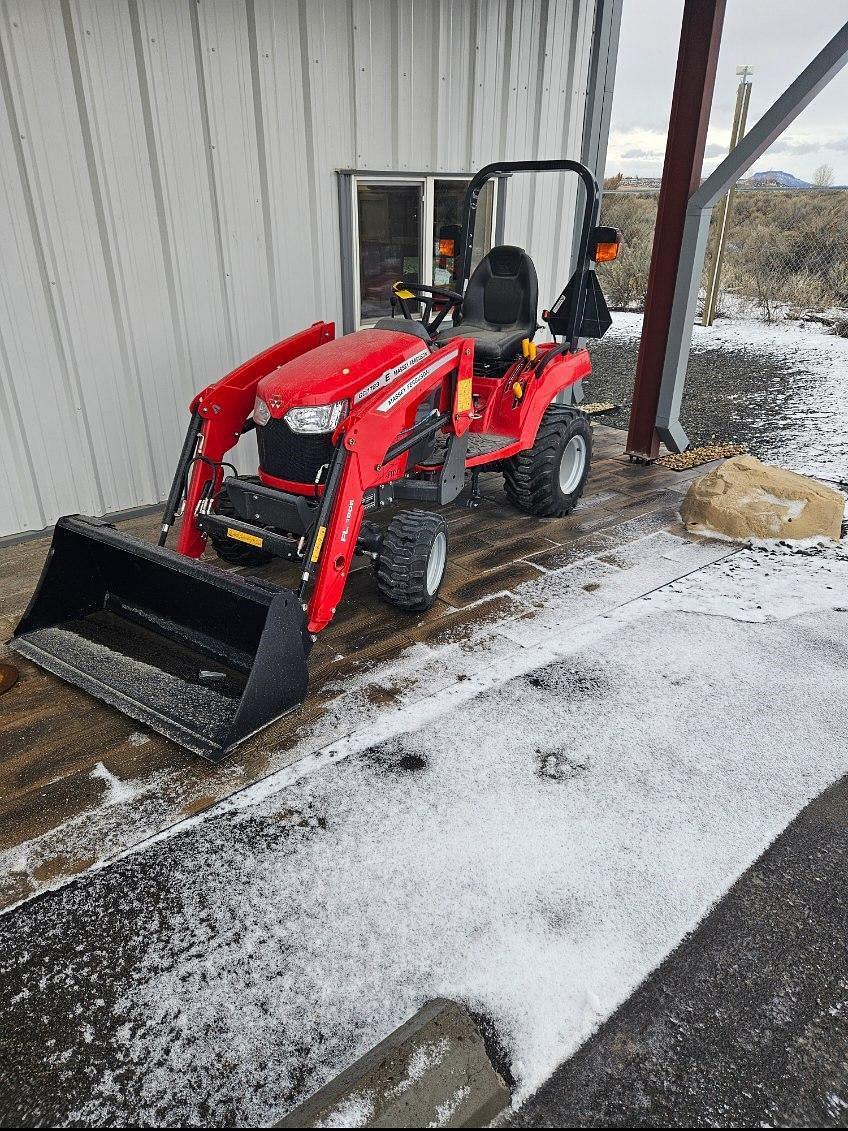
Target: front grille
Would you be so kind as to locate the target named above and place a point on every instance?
(292, 455)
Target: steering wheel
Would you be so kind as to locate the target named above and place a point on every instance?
(403, 292)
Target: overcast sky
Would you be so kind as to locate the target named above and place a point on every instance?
(776, 37)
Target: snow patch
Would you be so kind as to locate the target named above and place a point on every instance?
(768, 582)
(792, 508)
(445, 1111)
(354, 1112)
(422, 1060)
(117, 791)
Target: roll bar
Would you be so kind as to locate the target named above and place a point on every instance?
(590, 219)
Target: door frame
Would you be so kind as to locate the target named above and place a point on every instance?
(348, 181)
(376, 180)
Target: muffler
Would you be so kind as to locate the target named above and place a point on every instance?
(205, 657)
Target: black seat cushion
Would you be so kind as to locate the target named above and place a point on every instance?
(404, 326)
(500, 305)
(492, 347)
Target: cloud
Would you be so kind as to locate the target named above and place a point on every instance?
(796, 148)
(840, 145)
(639, 150)
(636, 146)
(754, 32)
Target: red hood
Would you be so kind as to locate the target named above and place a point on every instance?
(352, 367)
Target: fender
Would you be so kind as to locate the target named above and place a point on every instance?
(502, 417)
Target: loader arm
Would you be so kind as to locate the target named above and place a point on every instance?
(364, 440)
(219, 414)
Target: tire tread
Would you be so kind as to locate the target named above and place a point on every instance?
(529, 475)
(402, 564)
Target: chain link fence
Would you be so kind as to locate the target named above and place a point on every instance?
(785, 254)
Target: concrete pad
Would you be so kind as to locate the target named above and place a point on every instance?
(433, 1071)
(746, 1023)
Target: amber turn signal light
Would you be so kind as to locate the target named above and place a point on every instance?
(606, 252)
(605, 244)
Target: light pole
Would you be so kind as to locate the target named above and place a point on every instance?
(740, 116)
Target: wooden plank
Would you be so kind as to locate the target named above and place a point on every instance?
(56, 810)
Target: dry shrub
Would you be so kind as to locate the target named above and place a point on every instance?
(625, 280)
(781, 249)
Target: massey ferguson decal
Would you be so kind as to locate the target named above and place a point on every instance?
(409, 385)
(390, 375)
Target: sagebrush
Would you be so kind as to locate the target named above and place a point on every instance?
(783, 250)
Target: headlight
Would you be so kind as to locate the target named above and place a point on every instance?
(316, 418)
(261, 412)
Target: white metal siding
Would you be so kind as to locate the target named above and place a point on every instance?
(169, 202)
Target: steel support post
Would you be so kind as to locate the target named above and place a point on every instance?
(700, 39)
(687, 272)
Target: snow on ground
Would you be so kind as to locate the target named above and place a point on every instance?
(117, 791)
(534, 852)
(630, 559)
(780, 387)
(769, 581)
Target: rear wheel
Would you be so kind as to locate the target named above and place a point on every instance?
(236, 553)
(412, 560)
(548, 479)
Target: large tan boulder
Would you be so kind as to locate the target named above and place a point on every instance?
(744, 498)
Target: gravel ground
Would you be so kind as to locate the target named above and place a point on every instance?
(782, 390)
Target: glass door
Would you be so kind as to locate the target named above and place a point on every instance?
(390, 242)
(410, 228)
(448, 201)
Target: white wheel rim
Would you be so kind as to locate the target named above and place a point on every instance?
(436, 562)
(572, 464)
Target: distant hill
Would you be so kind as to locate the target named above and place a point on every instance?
(776, 177)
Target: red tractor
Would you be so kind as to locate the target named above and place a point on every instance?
(401, 414)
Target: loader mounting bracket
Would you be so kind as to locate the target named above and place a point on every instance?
(269, 506)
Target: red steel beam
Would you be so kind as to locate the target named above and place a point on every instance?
(700, 39)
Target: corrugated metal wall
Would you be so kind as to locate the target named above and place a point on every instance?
(169, 196)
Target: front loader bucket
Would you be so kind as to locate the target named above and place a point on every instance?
(202, 656)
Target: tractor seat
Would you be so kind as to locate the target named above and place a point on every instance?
(499, 307)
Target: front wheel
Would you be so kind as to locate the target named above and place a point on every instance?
(548, 479)
(412, 560)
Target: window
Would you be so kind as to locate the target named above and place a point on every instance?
(389, 243)
(448, 201)
(411, 228)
